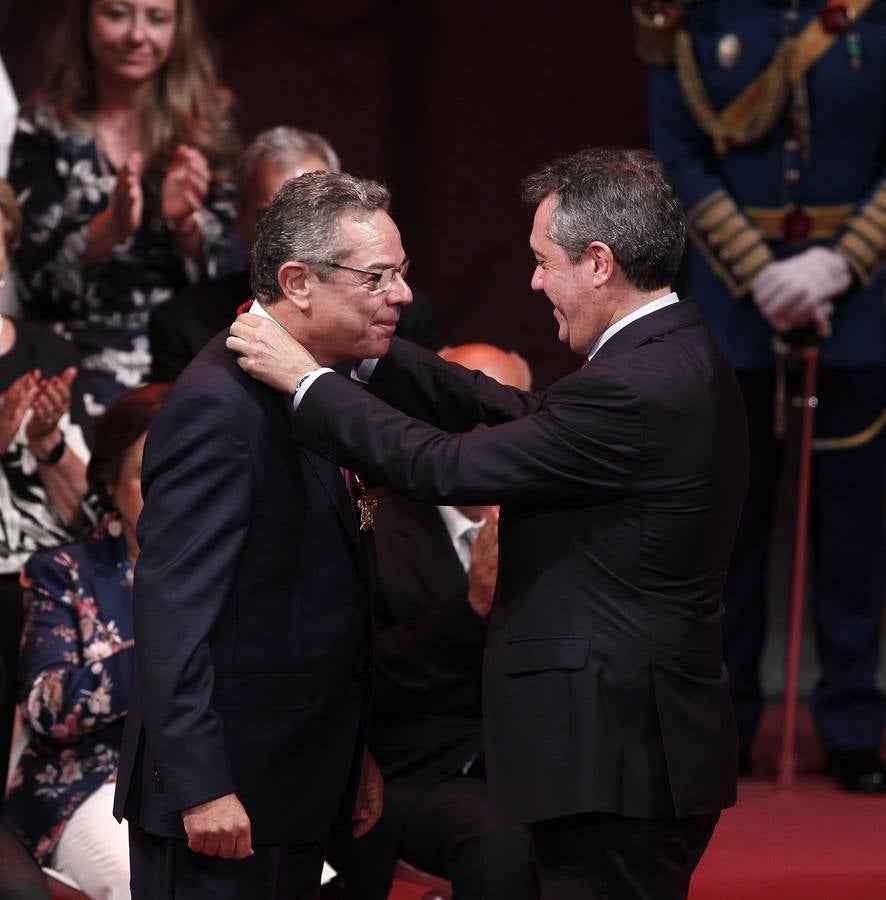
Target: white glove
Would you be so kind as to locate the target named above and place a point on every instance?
(798, 291)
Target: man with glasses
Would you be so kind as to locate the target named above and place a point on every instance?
(245, 742)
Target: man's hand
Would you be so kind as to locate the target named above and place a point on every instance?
(484, 565)
(219, 827)
(268, 352)
(370, 797)
(798, 291)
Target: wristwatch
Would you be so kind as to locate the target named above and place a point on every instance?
(54, 455)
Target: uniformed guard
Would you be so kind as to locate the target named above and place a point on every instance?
(770, 118)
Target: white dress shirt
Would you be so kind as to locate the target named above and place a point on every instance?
(462, 532)
(650, 307)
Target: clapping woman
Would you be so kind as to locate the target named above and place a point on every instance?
(121, 169)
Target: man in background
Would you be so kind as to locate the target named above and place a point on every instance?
(180, 328)
(437, 567)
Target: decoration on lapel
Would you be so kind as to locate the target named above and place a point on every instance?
(366, 504)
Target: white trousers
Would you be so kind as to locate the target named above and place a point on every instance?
(94, 849)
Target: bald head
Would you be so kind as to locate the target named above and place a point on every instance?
(507, 368)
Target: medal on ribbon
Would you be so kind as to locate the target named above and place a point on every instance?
(365, 504)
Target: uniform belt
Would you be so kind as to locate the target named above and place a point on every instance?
(824, 222)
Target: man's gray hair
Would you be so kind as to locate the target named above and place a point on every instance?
(302, 224)
(284, 146)
(622, 198)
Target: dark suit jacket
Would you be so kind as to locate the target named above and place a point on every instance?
(252, 596)
(621, 489)
(180, 328)
(428, 648)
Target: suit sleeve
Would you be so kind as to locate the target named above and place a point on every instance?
(580, 445)
(198, 487)
(445, 394)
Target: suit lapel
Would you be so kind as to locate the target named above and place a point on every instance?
(330, 477)
(327, 473)
(670, 318)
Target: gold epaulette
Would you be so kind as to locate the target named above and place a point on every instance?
(655, 24)
(863, 244)
(733, 247)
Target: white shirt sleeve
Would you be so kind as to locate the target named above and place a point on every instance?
(306, 382)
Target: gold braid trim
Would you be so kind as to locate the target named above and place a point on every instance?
(733, 248)
(822, 445)
(863, 244)
(758, 107)
(752, 114)
(826, 221)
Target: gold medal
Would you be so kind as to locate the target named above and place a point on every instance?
(366, 504)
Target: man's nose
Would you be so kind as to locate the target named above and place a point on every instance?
(399, 292)
(537, 280)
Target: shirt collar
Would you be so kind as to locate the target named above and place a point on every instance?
(650, 307)
(457, 523)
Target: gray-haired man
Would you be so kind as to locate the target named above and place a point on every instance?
(244, 742)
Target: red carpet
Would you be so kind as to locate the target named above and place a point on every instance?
(813, 842)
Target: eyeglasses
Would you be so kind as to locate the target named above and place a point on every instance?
(383, 280)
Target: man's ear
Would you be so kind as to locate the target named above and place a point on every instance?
(601, 261)
(294, 280)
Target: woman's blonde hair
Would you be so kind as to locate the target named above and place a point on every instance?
(187, 106)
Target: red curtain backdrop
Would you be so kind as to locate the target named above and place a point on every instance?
(449, 102)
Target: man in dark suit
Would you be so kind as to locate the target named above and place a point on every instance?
(436, 575)
(608, 726)
(180, 328)
(252, 593)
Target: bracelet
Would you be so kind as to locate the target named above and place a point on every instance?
(54, 455)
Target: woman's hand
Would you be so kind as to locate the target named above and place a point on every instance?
(123, 217)
(184, 189)
(51, 402)
(128, 202)
(14, 403)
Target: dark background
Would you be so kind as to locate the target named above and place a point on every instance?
(450, 102)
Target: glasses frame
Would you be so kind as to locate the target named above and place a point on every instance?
(378, 276)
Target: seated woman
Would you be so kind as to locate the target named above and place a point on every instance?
(122, 165)
(76, 670)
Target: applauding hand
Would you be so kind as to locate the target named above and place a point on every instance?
(51, 401)
(184, 189)
(14, 403)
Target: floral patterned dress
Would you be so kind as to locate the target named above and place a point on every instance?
(63, 180)
(75, 682)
